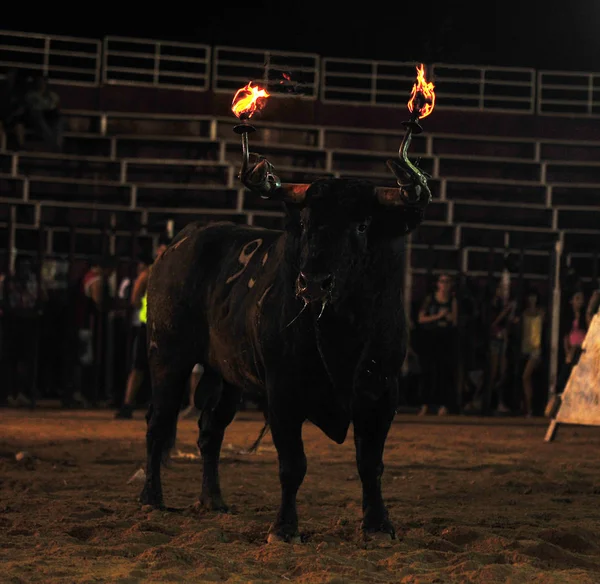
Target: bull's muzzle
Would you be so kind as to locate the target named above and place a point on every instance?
(314, 287)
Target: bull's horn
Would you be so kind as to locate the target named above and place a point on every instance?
(293, 192)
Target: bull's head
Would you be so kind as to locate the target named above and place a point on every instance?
(336, 222)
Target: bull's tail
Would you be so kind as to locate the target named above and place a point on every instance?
(169, 444)
(257, 442)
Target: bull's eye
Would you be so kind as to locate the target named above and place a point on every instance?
(362, 228)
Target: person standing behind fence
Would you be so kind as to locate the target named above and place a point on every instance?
(576, 327)
(437, 320)
(139, 367)
(502, 311)
(593, 306)
(95, 289)
(43, 113)
(21, 334)
(532, 322)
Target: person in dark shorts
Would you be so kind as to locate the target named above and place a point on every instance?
(140, 354)
(139, 367)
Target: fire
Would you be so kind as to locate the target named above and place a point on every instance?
(425, 88)
(246, 100)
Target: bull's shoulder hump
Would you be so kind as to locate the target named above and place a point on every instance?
(224, 230)
(240, 233)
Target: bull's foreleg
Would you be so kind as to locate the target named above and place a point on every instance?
(286, 430)
(168, 385)
(212, 426)
(372, 422)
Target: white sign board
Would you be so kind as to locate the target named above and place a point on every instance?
(580, 400)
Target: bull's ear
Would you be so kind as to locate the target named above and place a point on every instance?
(294, 193)
(389, 197)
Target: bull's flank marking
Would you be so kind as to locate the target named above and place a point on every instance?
(260, 301)
(245, 256)
(180, 242)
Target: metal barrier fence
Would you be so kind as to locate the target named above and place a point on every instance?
(198, 67)
(128, 61)
(568, 93)
(63, 59)
(387, 83)
(282, 73)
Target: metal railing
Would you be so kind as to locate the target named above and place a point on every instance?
(388, 83)
(502, 89)
(282, 73)
(129, 61)
(200, 67)
(364, 82)
(61, 58)
(568, 93)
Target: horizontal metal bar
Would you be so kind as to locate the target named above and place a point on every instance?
(110, 38)
(267, 52)
(46, 36)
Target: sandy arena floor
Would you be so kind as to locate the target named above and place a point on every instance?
(473, 500)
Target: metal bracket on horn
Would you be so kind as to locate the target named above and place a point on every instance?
(410, 178)
(258, 177)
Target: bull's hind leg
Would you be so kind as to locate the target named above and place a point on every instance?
(212, 424)
(372, 421)
(168, 385)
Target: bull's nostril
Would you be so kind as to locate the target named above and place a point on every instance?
(327, 283)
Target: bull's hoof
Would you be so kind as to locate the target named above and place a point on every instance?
(378, 536)
(214, 503)
(152, 499)
(381, 532)
(283, 534)
(279, 538)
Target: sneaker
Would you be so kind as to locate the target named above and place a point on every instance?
(20, 401)
(125, 413)
(473, 407)
(423, 411)
(79, 401)
(502, 409)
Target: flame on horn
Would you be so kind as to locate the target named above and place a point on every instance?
(424, 88)
(248, 100)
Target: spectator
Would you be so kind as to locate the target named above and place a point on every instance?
(22, 331)
(475, 347)
(192, 411)
(437, 322)
(532, 321)
(43, 113)
(576, 328)
(95, 290)
(139, 367)
(502, 312)
(593, 306)
(13, 110)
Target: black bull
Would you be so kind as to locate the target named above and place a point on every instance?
(311, 316)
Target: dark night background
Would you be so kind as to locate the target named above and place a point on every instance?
(547, 34)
